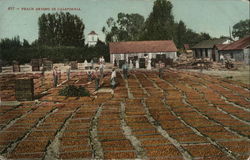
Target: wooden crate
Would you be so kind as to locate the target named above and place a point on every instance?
(47, 65)
(73, 65)
(16, 68)
(24, 89)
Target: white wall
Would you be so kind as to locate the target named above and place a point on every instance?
(172, 55)
(247, 55)
(92, 40)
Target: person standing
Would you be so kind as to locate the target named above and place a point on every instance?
(101, 60)
(68, 72)
(222, 59)
(96, 76)
(89, 75)
(59, 73)
(161, 67)
(113, 78)
(42, 75)
(115, 63)
(55, 76)
(92, 64)
(125, 70)
(101, 70)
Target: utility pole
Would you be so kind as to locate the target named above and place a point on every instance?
(230, 35)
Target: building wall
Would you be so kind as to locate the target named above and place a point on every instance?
(210, 53)
(201, 53)
(237, 55)
(246, 55)
(92, 40)
(217, 55)
(172, 55)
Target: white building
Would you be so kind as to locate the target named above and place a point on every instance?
(141, 49)
(92, 38)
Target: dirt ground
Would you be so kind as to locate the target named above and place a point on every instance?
(184, 115)
(242, 74)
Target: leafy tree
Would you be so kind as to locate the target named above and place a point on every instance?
(204, 36)
(181, 32)
(127, 27)
(160, 23)
(26, 43)
(60, 29)
(10, 43)
(241, 29)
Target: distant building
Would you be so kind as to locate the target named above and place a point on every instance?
(92, 38)
(186, 48)
(135, 50)
(204, 49)
(238, 50)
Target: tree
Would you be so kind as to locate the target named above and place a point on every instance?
(127, 27)
(26, 43)
(160, 23)
(10, 43)
(181, 34)
(241, 29)
(60, 29)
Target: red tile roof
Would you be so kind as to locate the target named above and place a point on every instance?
(142, 47)
(92, 33)
(238, 45)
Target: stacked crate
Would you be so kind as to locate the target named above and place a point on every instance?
(142, 63)
(7, 69)
(81, 66)
(24, 89)
(73, 65)
(16, 67)
(35, 64)
(25, 68)
(47, 64)
(7, 87)
(121, 62)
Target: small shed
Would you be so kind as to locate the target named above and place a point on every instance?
(238, 50)
(204, 49)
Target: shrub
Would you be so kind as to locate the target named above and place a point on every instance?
(73, 91)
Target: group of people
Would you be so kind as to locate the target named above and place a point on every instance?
(98, 74)
(57, 75)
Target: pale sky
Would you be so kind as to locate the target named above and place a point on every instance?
(211, 16)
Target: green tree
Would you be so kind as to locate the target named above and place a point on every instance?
(26, 43)
(7, 43)
(127, 27)
(241, 29)
(181, 32)
(60, 29)
(160, 23)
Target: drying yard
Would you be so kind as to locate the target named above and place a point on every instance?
(185, 115)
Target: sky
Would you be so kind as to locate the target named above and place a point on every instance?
(210, 16)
